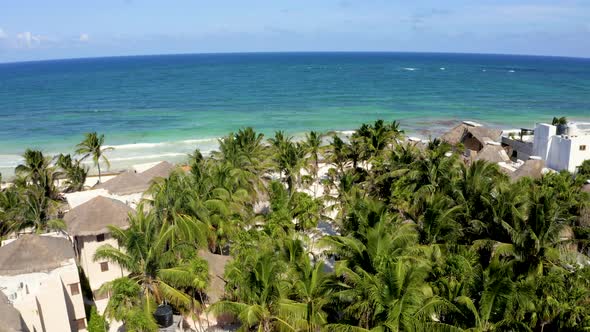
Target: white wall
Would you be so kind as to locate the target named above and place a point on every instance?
(45, 300)
(577, 157)
(80, 197)
(560, 152)
(542, 139)
(86, 246)
(558, 156)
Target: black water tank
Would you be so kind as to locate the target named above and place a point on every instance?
(164, 316)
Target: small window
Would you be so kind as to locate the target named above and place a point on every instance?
(582, 148)
(100, 238)
(100, 295)
(81, 324)
(75, 289)
(104, 266)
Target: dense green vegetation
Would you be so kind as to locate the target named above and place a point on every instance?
(423, 241)
(33, 202)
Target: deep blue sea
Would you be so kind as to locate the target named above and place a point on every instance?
(161, 107)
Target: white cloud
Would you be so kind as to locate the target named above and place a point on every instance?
(84, 37)
(2, 34)
(28, 40)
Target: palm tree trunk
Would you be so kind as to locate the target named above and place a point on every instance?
(290, 184)
(98, 165)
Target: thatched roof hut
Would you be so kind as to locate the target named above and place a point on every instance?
(474, 137)
(128, 183)
(93, 217)
(217, 265)
(161, 170)
(532, 168)
(493, 153)
(34, 253)
(10, 318)
(124, 184)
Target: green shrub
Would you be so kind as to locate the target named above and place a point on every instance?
(97, 323)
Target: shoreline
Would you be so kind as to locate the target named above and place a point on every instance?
(126, 155)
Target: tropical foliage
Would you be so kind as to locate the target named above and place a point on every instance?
(92, 146)
(34, 201)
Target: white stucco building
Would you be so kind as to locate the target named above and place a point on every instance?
(39, 277)
(565, 151)
(87, 224)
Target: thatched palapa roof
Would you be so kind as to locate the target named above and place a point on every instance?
(93, 217)
(10, 318)
(131, 183)
(34, 253)
(217, 265)
(458, 133)
(161, 170)
(532, 168)
(493, 153)
(124, 184)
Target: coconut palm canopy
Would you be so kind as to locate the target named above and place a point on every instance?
(34, 253)
(10, 318)
(94, 216)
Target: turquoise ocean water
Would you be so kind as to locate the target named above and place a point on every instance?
(162, 107)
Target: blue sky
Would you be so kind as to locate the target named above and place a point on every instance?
(50, 29)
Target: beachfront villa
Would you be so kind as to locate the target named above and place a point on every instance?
(39, 278)
(562, 147)
(87, 225)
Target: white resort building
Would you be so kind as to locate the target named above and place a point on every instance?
(39, 278)
(562, 147)
(87, 224)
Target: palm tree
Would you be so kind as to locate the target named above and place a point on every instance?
(535, 240)
(313, 143)
(34, 165)
(36, 170)
(127, 305)
(159, 262)
(75, 173)
(289, 158)
(261, 291)
(243, 150)
(37, 212)
(437, 219)
(338, 153)
(92, 145)
(396, 298)
(503, 303)
(311, 293)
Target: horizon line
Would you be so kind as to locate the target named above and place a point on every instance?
(290, 52)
